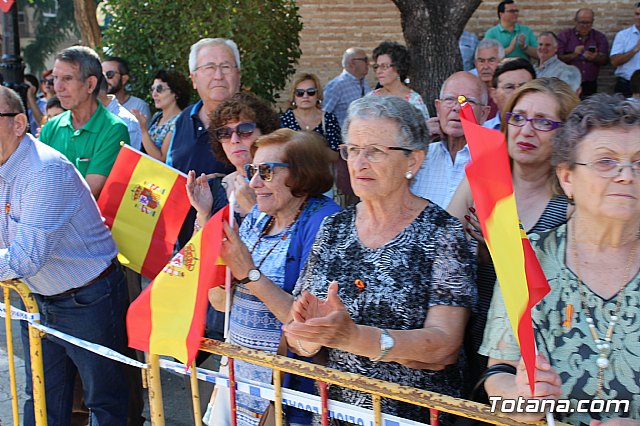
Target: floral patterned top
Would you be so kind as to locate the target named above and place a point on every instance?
(158, 132)
(566, 340)
(413, 98)
(429, 263)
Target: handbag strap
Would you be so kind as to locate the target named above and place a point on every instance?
(493, 370)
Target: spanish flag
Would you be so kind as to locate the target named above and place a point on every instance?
(521, 278)
(144, 202)
(168, 318)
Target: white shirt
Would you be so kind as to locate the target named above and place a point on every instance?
(624, 42)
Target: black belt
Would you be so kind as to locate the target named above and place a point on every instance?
(104, 273)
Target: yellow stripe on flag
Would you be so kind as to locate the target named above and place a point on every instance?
(508, 258)
(174, 291)
(139, 211)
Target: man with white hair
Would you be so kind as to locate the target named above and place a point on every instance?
(214, 66)
(488, 55)
(550, 66)
(350, 85)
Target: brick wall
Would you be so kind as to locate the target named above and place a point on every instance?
(330, 26)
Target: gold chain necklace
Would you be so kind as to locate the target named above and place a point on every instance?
(603, 345)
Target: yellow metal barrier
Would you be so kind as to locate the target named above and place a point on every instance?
(35, 344)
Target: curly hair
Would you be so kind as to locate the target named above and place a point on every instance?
(241, 106)
(399, 55)
(178, 84)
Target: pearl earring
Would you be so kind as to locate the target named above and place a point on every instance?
(409, 175)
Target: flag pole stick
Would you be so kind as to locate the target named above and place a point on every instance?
(227, 307)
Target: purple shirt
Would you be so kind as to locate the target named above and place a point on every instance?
(569, 39)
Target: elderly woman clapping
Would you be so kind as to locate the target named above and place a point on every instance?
(389, 283)
(586, 328)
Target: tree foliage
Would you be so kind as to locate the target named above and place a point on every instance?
(156, 34)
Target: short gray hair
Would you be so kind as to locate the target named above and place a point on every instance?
(549, 34)
(490, 43)
(230, 44)
(348, 54)
(412, 134)
(87, 61)
(12, 100)
(599, 111)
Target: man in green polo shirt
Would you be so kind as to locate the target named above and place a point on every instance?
(87, 134)
(518, 40)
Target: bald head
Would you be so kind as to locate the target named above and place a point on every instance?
(584, 21)
(448, 108)
(471, 84)
(356, 62)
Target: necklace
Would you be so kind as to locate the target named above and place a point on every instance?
(603, 345)
(307, 123)
(285, 233)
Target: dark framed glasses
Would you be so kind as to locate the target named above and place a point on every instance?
(111, 73)
(243, 130)
(264, 170)
(310, 91)
(538, 123)
(8, 114)
(159, 88)
(383, 67)
(47, 82)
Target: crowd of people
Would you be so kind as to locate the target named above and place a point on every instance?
(359, 245)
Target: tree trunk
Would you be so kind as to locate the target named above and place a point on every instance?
(85, 14)
(431, 30)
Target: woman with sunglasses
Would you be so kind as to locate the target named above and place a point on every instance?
(171, 93)
(391, 65)
(306, 112)
(388, 287)
(531, 118)
(289, 174)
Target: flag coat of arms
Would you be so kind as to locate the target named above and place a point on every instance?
(144, 202)
(168, 318)
(522, 281)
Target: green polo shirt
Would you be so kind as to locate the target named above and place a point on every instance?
(93, 148)
(505, 37)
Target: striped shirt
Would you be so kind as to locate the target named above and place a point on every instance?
(51, 233)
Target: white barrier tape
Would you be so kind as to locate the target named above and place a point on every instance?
(18, 314)
(93, 347)
(338, 410)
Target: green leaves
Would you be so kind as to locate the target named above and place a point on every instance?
(157, 34)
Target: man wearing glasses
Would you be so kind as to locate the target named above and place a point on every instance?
(350, 85)
(116, 70)
(584, 48)
(624, 54)
(518, 40)
(55, 241)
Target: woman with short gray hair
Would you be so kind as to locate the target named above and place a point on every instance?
(389, 283)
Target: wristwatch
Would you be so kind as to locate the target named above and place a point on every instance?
(386, 344)
(254, 275)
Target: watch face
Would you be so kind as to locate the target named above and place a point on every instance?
(254, 275)
(386, 342)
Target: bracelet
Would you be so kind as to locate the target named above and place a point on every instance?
(303, 350)
(196, 226)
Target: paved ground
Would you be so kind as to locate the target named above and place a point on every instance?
(176, 389)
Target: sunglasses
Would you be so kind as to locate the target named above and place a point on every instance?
(159, 88)
(243, 130)
(265, 170)
(109, 74)
(311, 92)
(47, 82)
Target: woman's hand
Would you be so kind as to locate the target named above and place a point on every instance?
(142, 119)
(199, 195)
(321, 322)
(547, 380)
(245, 196)
(235, 254)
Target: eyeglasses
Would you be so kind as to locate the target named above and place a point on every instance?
(264, 170)
(511, 87)
(110, 74)
(540, 124)
(243, 130)
(47, 82)
(373, 153)
(451, 101)
(210, 68)
(585, 22)
(609, 168)
(383, 67)
(512, 11)
(483, 61)
(311, 92)
(159, 88)
(365, 59)
(8, 114)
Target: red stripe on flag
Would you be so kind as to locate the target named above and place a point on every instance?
(139, 321)
(167, 229)
(115, 187)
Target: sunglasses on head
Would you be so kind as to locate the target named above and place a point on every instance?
(111, 73)
(243, 130)
(311, 92)
(159, 88)
(264, 170)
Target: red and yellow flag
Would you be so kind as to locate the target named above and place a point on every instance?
(521, 278)
(144, 202)
(168, 318)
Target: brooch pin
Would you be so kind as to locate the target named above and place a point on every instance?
(568, 316)
(360, 285)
